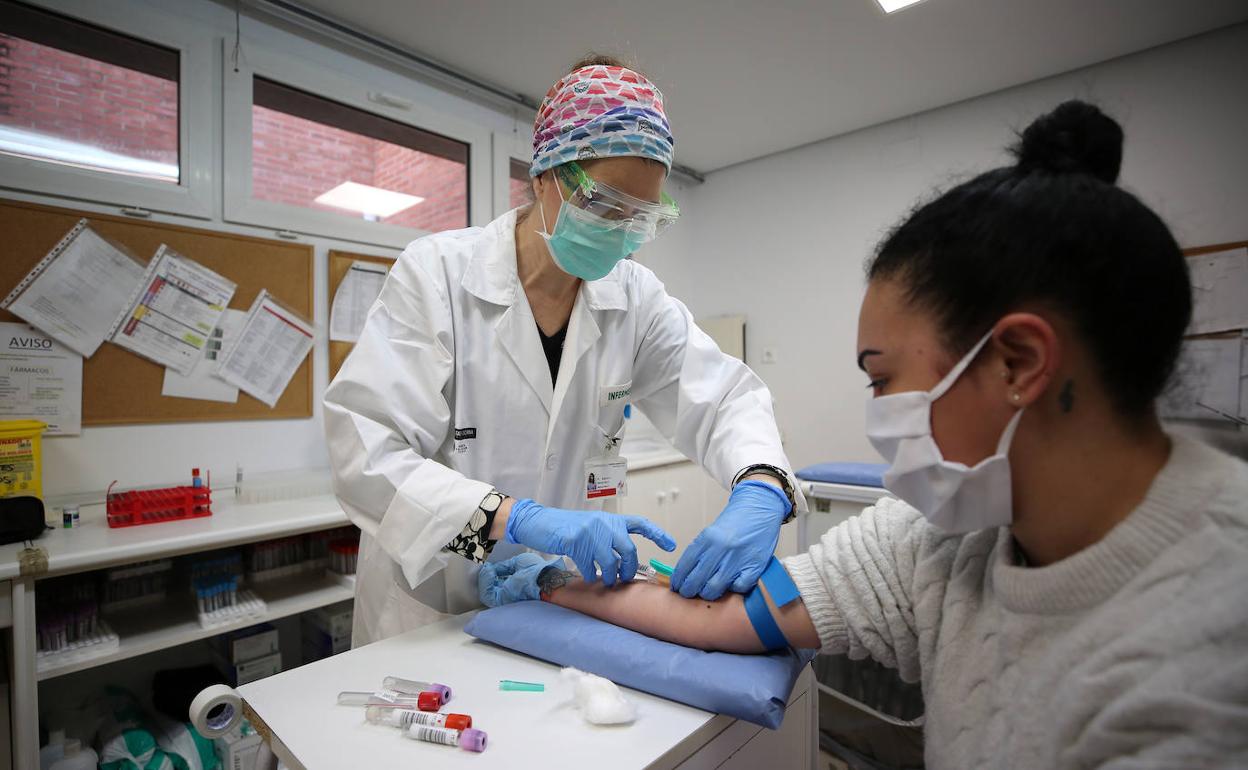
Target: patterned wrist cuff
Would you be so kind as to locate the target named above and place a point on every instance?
(786, 485)
(473, 541)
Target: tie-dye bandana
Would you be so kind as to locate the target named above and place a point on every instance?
(601, 112)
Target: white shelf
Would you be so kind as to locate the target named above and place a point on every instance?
(147, 629)
(94, 545)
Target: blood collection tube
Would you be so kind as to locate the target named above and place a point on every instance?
(406, 717)
(425, 701)
(470, 739)
(414, 686)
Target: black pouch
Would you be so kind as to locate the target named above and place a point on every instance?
(21, 518)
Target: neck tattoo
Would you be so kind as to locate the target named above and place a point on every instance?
(1067, 397)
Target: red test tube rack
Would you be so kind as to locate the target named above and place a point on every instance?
(153, 506)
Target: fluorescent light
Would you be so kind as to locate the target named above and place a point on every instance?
(892, 6)
(370, 201)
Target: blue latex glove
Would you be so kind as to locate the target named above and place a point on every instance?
(512, 580)
(736, 547)
(585, 537)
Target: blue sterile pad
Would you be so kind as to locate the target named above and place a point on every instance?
(750, 687)
(857, 474)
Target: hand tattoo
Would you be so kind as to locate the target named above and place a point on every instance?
(553, 578)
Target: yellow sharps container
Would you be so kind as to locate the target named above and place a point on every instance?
(21, 457)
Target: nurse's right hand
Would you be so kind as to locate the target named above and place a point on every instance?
(585, 537)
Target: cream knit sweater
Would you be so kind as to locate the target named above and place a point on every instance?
(1131, 653)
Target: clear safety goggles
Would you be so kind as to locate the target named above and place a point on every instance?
(616, 208)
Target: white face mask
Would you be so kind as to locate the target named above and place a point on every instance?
(950, 495)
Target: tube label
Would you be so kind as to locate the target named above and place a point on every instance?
(434, 735)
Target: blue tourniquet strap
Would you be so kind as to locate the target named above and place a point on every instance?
(781, 587)
(760, 617)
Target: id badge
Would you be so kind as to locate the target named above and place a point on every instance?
(605, 477)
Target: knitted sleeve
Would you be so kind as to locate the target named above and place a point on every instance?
(857, 584)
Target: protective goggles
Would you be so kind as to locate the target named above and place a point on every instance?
(616, 208)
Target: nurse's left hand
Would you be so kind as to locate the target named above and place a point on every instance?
(735, 548)
(512, 580)
(586, 537)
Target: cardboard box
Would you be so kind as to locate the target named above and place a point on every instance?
(334, 622)
(248, 644)
(251, 670)
(239, 748)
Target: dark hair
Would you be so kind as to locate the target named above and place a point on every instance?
(1054, 229)
(594, 58)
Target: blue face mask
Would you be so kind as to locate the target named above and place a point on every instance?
(586, 245)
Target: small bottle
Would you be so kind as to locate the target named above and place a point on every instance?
(415, 687)
(76, 757)
(470, 739)
(425, 701)
(406, 717)
(196, 481)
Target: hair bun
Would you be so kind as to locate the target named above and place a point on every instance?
(1075, 138)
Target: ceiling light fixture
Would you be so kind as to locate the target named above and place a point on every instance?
(370, 201)
(892, 6)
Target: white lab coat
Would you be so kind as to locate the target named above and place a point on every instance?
(451, 346)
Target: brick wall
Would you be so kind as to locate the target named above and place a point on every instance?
(520, 192)
(293, 160)
(87, 101)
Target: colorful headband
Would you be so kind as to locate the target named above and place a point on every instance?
(601, 112)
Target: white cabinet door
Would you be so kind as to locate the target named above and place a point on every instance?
(647, 497)
(675, 498)
(685, 488)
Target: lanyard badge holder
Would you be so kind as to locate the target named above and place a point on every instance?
(606, 473)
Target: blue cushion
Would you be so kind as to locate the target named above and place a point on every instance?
(858, 474)
(750, 687)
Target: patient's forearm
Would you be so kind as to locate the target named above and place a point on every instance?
(658, 612)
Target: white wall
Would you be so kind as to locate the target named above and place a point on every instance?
(783, 239)
(159, 454)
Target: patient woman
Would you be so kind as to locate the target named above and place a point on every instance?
(1068, 580)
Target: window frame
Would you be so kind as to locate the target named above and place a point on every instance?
(514, 146)
(242, 207)
(193, 194)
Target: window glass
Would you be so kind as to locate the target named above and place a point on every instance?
(316, 153)
(520, 189)
(79, 95)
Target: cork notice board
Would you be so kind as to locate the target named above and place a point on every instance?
(119, 387)
(339, 264)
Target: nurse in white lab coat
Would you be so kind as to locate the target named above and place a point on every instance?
(492, 375)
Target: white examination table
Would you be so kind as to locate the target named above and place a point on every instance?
(296, 711)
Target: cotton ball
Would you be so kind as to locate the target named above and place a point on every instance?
(600, 701)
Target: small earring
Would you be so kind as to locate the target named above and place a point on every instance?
(1016, 396)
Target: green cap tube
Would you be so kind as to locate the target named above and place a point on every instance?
(507, 684)
(660, 567)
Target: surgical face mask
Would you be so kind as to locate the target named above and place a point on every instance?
(586, 245)
(952, 496)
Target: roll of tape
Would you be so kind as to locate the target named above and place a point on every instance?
(216, 710)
